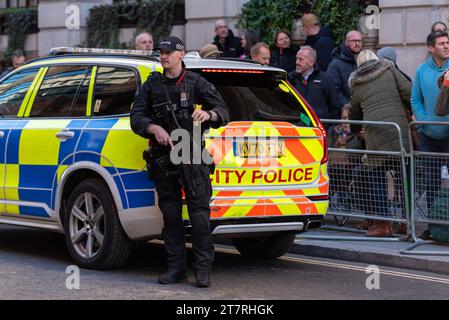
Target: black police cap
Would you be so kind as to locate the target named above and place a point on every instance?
(171, 44)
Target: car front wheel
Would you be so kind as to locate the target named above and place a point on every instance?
(94, 235)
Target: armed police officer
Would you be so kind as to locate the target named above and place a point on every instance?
(164, 103)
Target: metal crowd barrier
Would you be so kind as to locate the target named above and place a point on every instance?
(430, 186)
(367, 184)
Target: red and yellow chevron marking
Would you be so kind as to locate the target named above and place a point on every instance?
(264, 206)
(299, 165)
(266, 203)
(302, 144)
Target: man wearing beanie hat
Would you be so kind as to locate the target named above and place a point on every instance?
(164, 103)
(388, 53)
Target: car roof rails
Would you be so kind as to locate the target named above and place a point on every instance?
(58, 51)
(193, 54)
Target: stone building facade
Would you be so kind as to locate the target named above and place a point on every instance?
(405, 24)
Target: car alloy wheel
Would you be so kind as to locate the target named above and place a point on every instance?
(87, 225)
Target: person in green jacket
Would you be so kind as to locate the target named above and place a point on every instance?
(379, 92)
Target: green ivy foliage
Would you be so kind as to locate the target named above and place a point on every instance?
(104, 22)
(341, 16)
(156, 17)
(268, 16)
(17, 25)
(103, 27)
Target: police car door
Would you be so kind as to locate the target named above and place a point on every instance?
(15, 91)
(42, 146)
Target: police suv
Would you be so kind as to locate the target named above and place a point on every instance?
(70, 162)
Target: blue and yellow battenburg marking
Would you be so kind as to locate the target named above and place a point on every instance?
(34, 160)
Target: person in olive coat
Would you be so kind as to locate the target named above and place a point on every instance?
(379, 92)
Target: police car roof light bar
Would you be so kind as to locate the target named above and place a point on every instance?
(72, 50)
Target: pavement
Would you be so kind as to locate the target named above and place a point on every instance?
(382, 253)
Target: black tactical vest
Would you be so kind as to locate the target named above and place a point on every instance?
(171, 98)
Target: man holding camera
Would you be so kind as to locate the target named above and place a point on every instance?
(164, 103)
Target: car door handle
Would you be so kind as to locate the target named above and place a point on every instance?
(2, 134)
(65, 135)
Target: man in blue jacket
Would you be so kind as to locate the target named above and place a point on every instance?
(343, 64)
(425, 92)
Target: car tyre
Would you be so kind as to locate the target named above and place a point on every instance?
(94, 235)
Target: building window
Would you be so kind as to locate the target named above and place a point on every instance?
(179, 15)
(17, 3)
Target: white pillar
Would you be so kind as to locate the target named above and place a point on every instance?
(55, 24)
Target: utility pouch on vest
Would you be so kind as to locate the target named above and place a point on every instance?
(162, 111)
(150, 164)
(158, 163)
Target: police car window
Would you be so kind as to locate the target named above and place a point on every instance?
(258, 97)
(13, 90)
(63, 92)
(114, 91)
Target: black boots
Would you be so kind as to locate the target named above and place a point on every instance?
(202, 279)
(171, 277)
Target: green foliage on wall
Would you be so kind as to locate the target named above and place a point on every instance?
(268, 16)
(104, 22)
(103, 27)
(157, 18)
(341, 16)
(17, 24)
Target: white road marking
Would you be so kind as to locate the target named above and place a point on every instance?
(412, 276)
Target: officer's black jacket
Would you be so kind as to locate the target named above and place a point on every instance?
(199, 91)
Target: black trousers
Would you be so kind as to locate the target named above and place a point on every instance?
(168, 187)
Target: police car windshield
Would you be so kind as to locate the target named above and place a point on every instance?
(258, 97)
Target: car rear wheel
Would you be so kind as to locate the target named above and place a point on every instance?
(93, 233)
(270, 247)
